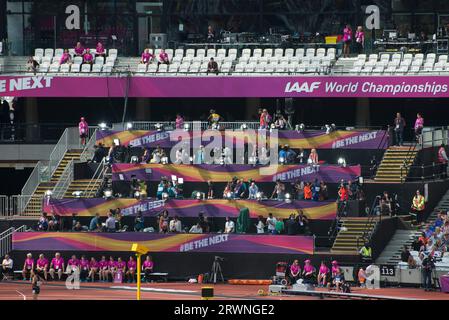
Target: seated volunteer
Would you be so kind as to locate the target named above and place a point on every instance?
(28, 267)
(42, 266)
(131, 273)
(366, 253)
(295, 272)
(57, 265)
(147, 268)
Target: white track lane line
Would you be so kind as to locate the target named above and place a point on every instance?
(24, 296)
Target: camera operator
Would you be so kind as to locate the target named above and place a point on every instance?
(428, 265)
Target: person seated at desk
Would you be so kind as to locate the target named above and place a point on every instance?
(212, 66)
(210, 34)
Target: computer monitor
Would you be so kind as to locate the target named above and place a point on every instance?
(392, 35)
(411, 36)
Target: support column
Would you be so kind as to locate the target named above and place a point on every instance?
(143, 109)
(32, 119)
(362, 117)
(251, 107)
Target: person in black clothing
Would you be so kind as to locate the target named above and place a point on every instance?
(416, 245)
(33, 65)
(428, 265)
(212, 66)
(303, 223)
(292, 226)
(399, 125)
(405, 254)
(210, 34)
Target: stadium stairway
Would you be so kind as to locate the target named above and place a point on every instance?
(392, 252)
(90, 187)
(351, 234)
(34, 206)
(394, 158)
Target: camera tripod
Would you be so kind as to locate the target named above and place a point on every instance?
(216, 272)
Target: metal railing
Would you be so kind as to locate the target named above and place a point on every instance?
(428, 172)
(96, 178)
(88, 151)
(64, 181)
(18, 204)
(69, 140)
(6, 239)
(4, 206)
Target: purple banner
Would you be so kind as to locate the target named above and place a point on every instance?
(219, 173)
(226, 86)
(340, 139)
(323, 210)
(180, 242)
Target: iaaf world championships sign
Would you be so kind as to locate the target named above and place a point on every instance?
(226, 86)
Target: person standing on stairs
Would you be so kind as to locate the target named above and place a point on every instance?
(443, 160)
(83, 128)
(399, 125)
(418, 206)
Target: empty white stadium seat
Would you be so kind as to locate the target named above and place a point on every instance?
(299, 52)
(362, 57)
(78, 60)
(163, 68)
(106, 69)
(152, 68)
(201, 53)
(75, 68)
(54, 67)
(169, 52)
(211, 53)
(331, 52)
(96, 67)
(321, 52)
(257, 52)
(48, 52)
(99, 60)
(442, 58)
(190, 53)
(44, 67)
(221, 52)
(46, 60)
(64, 68)
(179, 52)
(310, 52)
(141, 67)
(39, 52)
(113, 53)
(173, 68)
(59, 52)
(268, 52)
(85, 68)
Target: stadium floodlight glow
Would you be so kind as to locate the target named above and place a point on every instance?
(107, 193)
(288, 197)
(186, 126)
(102, 125)
(134, 159)
(309, 161)
(252, 160)
(77, 194)
(228, 195)
(198, 195)
(129, 125)
(341, 161)
(300, 127)
(164, 196)
(159, 127)
(282, 160)
(48, 193)
(137, 194)
(244, 126)
(164, 160)
(259, 195)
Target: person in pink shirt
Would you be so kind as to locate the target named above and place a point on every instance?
(88, 57)
(179, 122)
(57, 265)
(112, 267)
(103, 269)
(347, 40)
(163, 57)
(79, 49)
(295, 272)
(360, 39)
(419, 124)
(84, 268)
(66, 57)
(72, 264)
(147, 268)
(147, 57)
(42, 266)
(99, 50)
(308, 271)
(131, 269)
(83, 129)
(28, 267)
(323, 275)
(93, 268)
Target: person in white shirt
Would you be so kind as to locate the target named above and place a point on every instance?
(271, 223)
(110, 223)
(7, 265)
(175, 225)
(260, 226)
(229, 225)
(196, 229)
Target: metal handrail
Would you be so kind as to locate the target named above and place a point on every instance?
(98, 175)
(64, 181)
(88, 152)
(408, 157)
(371, 217)
(6, 239)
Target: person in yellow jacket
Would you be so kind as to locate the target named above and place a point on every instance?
(418, 206)
(366, 253)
